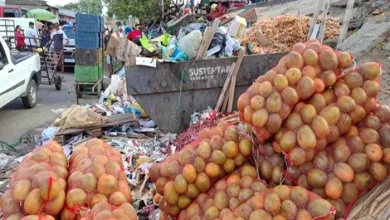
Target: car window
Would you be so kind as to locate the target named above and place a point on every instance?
(17, 13)
(3, 56)
(9, 13)
(69, 32)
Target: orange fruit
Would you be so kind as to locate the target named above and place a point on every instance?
(230, 149)
(334, 188)
(189, 173)
(213, 170)
(374, 152)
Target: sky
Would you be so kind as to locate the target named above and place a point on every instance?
(57, 2)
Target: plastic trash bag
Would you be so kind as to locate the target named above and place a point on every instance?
(145, 43)
(231, 46)
(179, 55)
(131, 109)
(191, 27)
(190, 43)
(168, 51)
(219, 39)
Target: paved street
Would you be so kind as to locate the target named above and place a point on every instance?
(15, 120)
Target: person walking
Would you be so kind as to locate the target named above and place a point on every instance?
(19, 39)
(31, 37)
(58, 37)
(109, 57)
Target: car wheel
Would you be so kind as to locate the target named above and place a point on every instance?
(30, 100)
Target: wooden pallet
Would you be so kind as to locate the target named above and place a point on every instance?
(110, 121)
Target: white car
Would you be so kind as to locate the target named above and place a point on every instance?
(20, 76)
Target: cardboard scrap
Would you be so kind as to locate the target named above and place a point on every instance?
(262, 39)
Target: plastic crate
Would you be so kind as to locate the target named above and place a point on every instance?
(87, 57)
(101, 23)
(87, 40)
(101, 70)
(88, 23)
(86, 73)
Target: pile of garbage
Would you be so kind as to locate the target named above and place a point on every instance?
(223, 41)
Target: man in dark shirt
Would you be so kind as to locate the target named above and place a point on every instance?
(109, 58)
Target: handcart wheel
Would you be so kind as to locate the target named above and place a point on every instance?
(57, 82)
(99, 88)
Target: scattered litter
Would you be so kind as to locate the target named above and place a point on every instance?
(5, 160)
(49, 133)
(59, 110)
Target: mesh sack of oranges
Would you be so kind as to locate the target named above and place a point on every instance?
(226, 194)
(105, 211)
(309, 68)
(271, 165)
(96, 174)
(216, 152)
(352, 165)
(380, 121)
(283, 202)
(322, 119)
(37, 186)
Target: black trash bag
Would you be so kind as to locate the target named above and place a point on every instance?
(219, 39)
(147, 53)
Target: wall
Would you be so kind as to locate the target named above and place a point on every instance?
(66, 18)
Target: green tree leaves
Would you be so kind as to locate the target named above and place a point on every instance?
(86, 6)
(142, 9)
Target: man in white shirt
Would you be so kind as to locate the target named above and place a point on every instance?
(57, 37)
(31, 36)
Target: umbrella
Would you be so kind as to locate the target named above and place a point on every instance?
(42, 14)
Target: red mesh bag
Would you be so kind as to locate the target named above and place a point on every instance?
(309, 68)
(326, 116)
(283, 202)
(37, 217)
(105, 210)
(271, 165)
(37, 186)
(225, 195)
(352, 165)
(382, 115)
(96, 175)
(215, 153)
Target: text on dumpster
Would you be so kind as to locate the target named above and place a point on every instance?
(207, 73)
